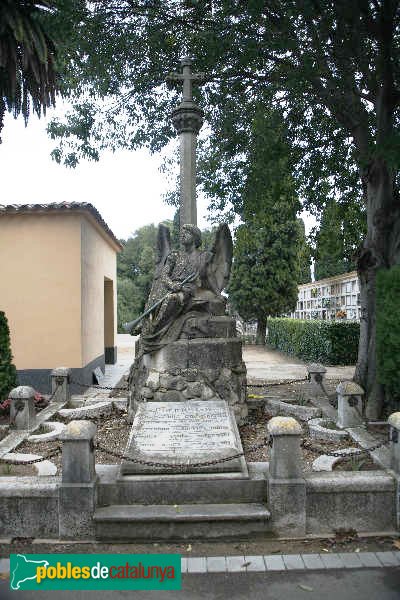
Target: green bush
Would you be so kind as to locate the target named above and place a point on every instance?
(327, 342)
(388, 332)
(8, 373)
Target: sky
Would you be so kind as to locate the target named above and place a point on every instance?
(126, 187)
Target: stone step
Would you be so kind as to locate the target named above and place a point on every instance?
(181, 489)
(179, 522)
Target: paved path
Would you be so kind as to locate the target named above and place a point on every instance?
(263, 364)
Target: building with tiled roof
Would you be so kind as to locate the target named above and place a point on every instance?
(58, 289)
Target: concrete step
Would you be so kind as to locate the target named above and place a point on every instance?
(181, 489)
(179, 522)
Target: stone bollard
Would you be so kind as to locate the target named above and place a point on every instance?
(286, 485)
(60, 384)
(22, 407)
(77, 493)
(394, 422)
(349, 395)
(316, 375)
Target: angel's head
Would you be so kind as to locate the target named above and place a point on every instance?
(189, 233)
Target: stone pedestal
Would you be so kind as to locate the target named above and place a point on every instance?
(286, 486)
(77, 492)
(349, 395)
(22, 408)
(316, 375)
(201, 368)
(60, 384)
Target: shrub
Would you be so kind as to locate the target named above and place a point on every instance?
(328, 342)
(388, 332)
(8, 373)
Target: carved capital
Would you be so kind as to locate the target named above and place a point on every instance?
(187, 117)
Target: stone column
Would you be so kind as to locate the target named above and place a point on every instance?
(394, 436)
(22, 407)
(77, 493)
(60, 384)
(349, 395)
(286, 485)
(187, 119)
(316, 375)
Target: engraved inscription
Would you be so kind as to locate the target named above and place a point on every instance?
(183, 427)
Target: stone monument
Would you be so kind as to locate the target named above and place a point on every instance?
(188, 348)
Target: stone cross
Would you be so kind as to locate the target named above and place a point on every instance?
(187, 119)
(188, 79)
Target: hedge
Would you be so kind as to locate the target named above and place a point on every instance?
(327, 342)
(388, 332)
(8, 373)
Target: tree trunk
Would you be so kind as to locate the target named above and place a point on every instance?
(261, 328)
(381, 250)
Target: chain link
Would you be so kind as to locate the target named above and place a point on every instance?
(182, 372)
(208, 463)
(320, 450)
(50, 454)
(99, 387)
(275, 384)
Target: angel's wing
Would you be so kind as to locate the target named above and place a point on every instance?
(219, 267)
(163, 248)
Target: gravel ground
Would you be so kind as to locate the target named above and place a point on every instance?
(113, 432)
(341, 542)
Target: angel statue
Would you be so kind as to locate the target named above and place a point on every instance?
(187, 286)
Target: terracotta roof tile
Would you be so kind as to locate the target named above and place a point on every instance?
(59, 206)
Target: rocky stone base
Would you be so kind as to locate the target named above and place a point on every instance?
(177, 385)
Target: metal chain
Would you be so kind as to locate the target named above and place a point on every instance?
(99, 387)
(246, 385)
(58, 385)
(178, 465)
(277, 384)
(320, 450)
(50, 454)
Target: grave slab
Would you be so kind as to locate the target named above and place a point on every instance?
(181, 434)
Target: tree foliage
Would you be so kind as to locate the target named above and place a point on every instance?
(8, 373)
(135, 270)
(340, 235)
(304, 255)
(27, 58)
(266, 252)
(331, 65)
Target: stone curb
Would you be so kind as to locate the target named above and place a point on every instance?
(277, 562)
(290, 562)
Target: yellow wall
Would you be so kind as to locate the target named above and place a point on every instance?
(98, 262)
(52, 272)
(40, 288)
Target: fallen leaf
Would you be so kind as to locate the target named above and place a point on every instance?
(325, 550)
(306, 588)
(396, 544)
